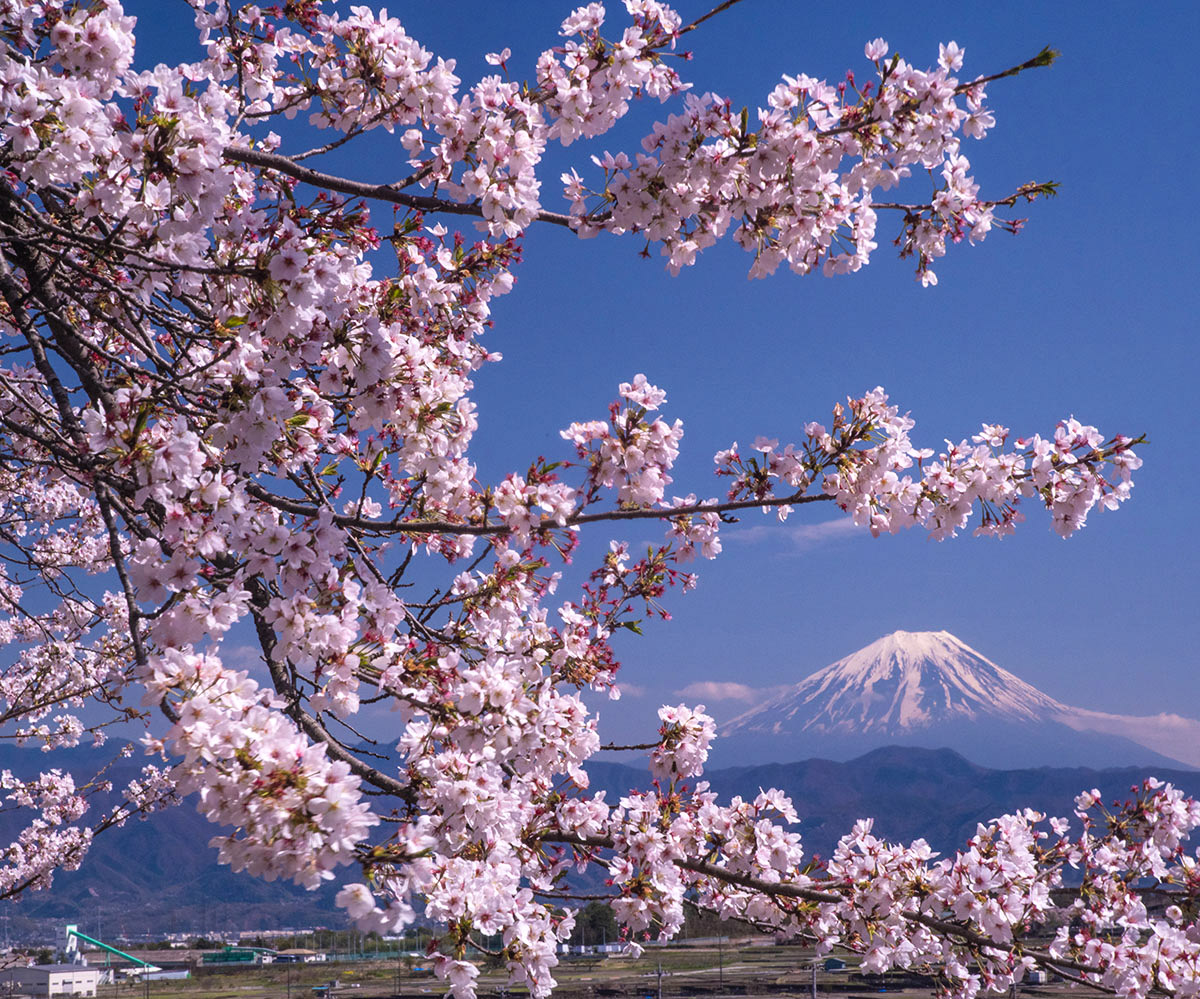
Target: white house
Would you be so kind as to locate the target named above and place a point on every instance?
(51, 980)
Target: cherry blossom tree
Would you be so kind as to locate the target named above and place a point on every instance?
(226, 407)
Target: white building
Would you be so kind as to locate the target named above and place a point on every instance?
(50, 980)
(300, 955)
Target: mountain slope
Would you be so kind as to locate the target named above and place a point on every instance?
(159, 875)
(909, 792)
(153, 875)
(935, 794)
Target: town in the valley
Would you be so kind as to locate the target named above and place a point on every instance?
(317, 963)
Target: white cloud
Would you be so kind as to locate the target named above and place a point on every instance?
(794, 538)
(1169, 734)
(717, 690)
(629, 689)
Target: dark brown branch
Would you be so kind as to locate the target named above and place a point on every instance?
(490, 529)
(259, 599)
(1044, 58)
(105, 246)
(576, 896)
(358, 189)
(782, 890)
(318, 733)
(1029, 192)
(719, 8)
(755, 884)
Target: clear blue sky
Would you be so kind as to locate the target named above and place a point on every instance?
(1092, 311)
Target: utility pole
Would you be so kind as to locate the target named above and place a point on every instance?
(660, 974)
(814, 980)
(720, 961)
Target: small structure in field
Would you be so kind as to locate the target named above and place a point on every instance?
(51, 980)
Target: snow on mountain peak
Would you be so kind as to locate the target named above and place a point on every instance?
(903, 682)
(928, 687)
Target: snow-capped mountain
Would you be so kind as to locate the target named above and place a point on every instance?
(904, 681)
(930, 688)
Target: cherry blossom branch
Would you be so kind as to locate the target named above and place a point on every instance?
(307, 723)
(801, 893)
(613, 747)
(213, 391)
(358, 189)
(1030, 192)
(1043, 59)
(396, 526)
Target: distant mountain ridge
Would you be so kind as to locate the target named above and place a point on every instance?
(910, 792)
(156, 875)
(913, 688)
(160, 875)
(930, 688)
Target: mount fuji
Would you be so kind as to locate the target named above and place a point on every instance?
(931, 689)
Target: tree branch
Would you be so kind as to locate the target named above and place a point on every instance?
(781, 890)
(613, 747)
(719, 8)
(1044, 58)
(312, 727)
(395, 526)
(358, 189)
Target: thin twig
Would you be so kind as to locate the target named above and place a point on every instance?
(704, 17)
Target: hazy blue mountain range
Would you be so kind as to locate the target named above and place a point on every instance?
(912, 792)
(931, 689)
(156, 875)
(159, 875)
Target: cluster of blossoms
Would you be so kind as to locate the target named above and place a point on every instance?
(251, 767)
(227, 410)
(968, 915)
(627, 453)
(868, 456)
(684, 738)
(800, 188)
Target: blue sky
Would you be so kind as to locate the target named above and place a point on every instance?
(1091, 312)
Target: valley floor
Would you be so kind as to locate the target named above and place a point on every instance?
(678, 972)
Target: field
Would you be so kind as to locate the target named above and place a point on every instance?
(705, 970)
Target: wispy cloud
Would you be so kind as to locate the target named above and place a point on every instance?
(631, 689)
(718, 690)
(1169, 734)
(796, 538)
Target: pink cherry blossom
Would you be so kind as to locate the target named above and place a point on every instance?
(229, 408)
